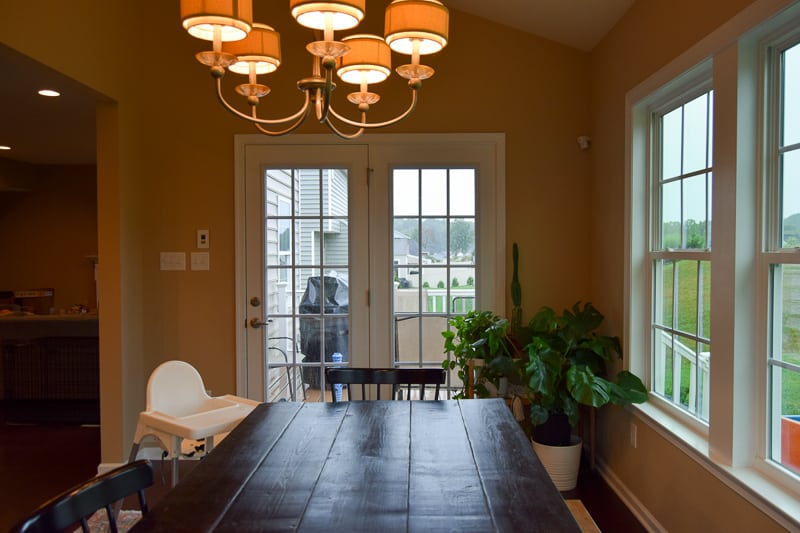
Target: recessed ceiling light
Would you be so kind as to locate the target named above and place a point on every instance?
(49, 92)
(4, 147)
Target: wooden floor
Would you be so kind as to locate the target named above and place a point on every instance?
(37, 461)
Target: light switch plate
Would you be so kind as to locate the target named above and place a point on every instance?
(173, 261)
(201, 261)
(202, 238)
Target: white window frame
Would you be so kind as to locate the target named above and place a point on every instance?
(696, 83)
(773, 254)
(728, 447)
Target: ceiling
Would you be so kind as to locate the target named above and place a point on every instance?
(60, 130)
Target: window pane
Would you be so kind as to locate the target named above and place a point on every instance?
(462, 240)
(433, 241)
(310, 191)
(462, 192)
(695, 120)
(334, 192)
(791, 96)
(405, 192)
(687, 296)
(695, 216)
(791, 199)
(671, 141)
(786, 448)
(666, 273)
(306, 298)
(790, 309)
(785, 380)
(434, 261)
(671, 215)
(434, 192)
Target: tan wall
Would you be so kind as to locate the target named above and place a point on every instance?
(679, 493)
(48, 230)
(165, 168)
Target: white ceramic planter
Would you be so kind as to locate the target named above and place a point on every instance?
(561, 462)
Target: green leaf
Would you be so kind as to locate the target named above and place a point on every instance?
(539, 414)
(629, 389)
(586, 388)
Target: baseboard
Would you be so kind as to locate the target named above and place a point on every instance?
(642, 514)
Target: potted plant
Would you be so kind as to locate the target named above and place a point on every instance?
(566, 368)
(481, 335)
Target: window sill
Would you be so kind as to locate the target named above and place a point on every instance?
(765, 492)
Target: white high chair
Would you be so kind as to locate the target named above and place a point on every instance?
(178, 407)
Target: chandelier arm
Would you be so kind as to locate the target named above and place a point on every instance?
(365, 124)
(343, 135)
(302, 113)
(278, 133)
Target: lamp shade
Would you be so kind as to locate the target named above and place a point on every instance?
(340, 14)
(262, 46)
(369, 60)
(425, 22)
(234, 18)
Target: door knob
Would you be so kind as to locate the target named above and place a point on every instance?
(255, 322)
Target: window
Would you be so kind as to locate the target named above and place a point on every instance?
(434, 256)
(681, 252)
(714, 193)
(782, 244)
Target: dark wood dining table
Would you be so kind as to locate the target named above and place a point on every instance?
(377, 466)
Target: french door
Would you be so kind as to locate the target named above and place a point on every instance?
(306, 266)
(328, 258)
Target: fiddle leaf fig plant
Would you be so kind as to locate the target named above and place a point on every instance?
(566, 365)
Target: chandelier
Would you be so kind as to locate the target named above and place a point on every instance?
(412, 27)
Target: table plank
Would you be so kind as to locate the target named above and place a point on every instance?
(513, 478)
(364, 483)
(277, 494)
(212, 486)
(445, 490)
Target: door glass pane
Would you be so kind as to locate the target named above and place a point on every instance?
(441, 244)
(405, 192)
(434, 192)
(305, 280)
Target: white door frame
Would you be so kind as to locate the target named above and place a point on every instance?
(484, 150)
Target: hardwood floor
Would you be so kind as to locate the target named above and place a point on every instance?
(38, 461)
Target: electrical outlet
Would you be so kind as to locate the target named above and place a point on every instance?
(634, 436)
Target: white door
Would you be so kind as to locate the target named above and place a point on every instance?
(306, 263)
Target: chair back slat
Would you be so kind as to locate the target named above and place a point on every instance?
(398, 378)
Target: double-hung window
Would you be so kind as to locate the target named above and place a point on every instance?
(782, 249)
(680, 252)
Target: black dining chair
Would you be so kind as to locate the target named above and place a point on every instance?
(401, 379)
(75, 505)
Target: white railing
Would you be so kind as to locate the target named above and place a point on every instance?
(461, 301)
(699, 365)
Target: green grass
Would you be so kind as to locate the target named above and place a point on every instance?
(686, 322)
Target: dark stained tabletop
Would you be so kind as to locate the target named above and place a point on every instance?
(377, 466)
